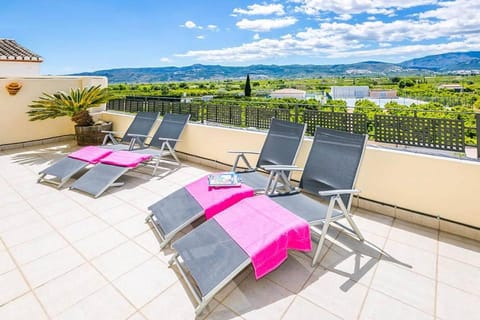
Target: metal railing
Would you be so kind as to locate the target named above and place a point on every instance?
(419, 128)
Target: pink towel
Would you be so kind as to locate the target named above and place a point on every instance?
(125, 159)
(90, 154)
(265, 230)
(214, 200)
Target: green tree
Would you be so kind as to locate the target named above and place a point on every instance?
(248, 88)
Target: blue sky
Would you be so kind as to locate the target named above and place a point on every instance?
(86, 35)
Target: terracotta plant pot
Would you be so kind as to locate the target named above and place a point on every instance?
(13, 88)
(91, 135)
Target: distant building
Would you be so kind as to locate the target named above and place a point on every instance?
(383, 94)
(349, 92)
(16, 60)
(454, 87)
(288, 93)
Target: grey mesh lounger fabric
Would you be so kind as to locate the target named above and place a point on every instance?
(165, 139)
(281, 147)
(206, 256)
(141, 125)
(179, 209)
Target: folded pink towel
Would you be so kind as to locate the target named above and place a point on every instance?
(125, 159)
(214, 200)
(90, 154)
(265, 230)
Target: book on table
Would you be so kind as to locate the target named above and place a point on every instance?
(224, 179)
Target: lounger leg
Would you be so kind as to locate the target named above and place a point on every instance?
(349, 219)
(326, 224)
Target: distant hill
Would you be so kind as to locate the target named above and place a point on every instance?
(427, 65)
(446, 62)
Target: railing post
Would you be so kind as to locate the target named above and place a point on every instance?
(477, 122)
(296, 113)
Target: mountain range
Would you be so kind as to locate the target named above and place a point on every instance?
(452, 62)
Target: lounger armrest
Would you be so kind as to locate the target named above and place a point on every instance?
(327, 193)
(136, 135)
(107, 131)
(281, 167)
(169, 139)
(243, 151)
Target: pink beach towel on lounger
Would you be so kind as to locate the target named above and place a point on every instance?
(125, 159)
(90, 154)
(265, 231)
(214, 200)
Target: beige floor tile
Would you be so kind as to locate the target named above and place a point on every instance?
(303, 309)
(63, 292)
(41, 246)
(18, 220)
(414, 235)
(8, 199)
(226, 290)
(48, 267)
(335, 292)
(132, 227)
(459, 248)
(409, 287)
(459, 275)
(83, 229)
(149, 242)
(121, 259)
(106, 303)
(374, 223)
(59, 206)
(145, 282)
(177, 303)
(293, 273)
(412, 258)
(12, 286)
(13, 208)
(259, 299)
(137, 316)
(67, 217)
(223, 313)
(456, 304)
(6, 262)
(379, 307)
(25, 233)
(24, 308)
(102, 204)
(99, 243)
(161, 187)
(119, 213)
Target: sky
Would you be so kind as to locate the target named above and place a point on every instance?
(86, 35)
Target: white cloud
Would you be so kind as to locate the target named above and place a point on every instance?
(314, 7)
(455, 20)
(344, 17)
(189, 24)
(212, 27)
(256, 36)
(259, 9)
(165, 59)
(201, 37)
(264, 25)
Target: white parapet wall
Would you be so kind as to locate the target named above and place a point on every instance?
(433, 185)
(15, 126)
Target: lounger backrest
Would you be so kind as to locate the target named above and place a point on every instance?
(171, 127)
(282, 143)
(141, 124)
(333, 162)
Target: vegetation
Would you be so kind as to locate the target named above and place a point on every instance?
(248, 88)
(74, 104)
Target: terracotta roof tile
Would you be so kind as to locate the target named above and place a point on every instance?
(10, 50)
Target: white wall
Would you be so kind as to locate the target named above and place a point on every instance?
(19, 68)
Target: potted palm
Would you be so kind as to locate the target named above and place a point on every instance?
(75, 105)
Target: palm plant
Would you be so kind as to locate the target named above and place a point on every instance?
(75, 105)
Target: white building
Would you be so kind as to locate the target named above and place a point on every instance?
(349, 92)
(288, 93)
(16, 60)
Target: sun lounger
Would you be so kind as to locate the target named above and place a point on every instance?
(281, 147)
(211, 255)
(61, 171)
(107, 171)
(181, 208)
(141, 125)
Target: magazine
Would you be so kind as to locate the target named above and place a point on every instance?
(224, 179)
